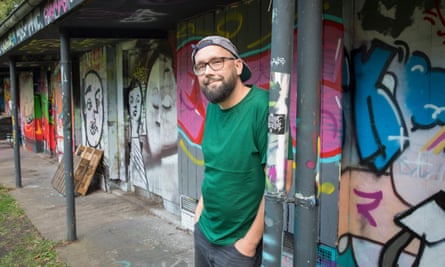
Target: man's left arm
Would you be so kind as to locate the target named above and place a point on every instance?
(248, 244)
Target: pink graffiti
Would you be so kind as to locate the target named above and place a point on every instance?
(310, 164)
(272, 174)
(365, 209)
(55, 9)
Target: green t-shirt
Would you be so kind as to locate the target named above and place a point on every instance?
(235, 150)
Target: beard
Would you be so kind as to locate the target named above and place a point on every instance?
(217, 93)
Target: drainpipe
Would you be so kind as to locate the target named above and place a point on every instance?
(308, 131)
(67, 136)
(278, 125)
(15, 123)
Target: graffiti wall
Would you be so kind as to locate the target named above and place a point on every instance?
(148, 87)
(30, 112)
(392, 201)
(253, 37)
(58, 110)
(7, 95)
(150, 99)
(93, 74)
(47, 111)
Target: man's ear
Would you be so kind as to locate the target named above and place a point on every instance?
(239, 66)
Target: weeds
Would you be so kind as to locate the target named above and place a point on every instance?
(20, 242)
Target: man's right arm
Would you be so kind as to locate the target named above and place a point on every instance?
(198, 209)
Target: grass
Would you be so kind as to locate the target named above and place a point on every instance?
(20, 242)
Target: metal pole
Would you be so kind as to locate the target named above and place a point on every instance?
(67, 136)
(308, 131)
(279, 95)
(15, 123)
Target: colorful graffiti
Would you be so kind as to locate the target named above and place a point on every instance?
(34, 110)
(56, 82)
(30, 113)
(255, 50)
(392, 190)
(49, 144)
(7, 95)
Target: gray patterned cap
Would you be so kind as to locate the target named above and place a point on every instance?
(226, 44)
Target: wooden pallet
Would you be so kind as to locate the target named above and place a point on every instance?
(85, 162)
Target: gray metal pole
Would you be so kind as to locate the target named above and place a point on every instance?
(15, 123)
(279, 95)
(67, 136)
(308, 131)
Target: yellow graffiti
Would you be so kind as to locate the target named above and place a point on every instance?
(140, 73)
(234, 19)
(185, 30)
(435, 141)
(189, 155)
(263, 39)
(327, 188)
(237, 20)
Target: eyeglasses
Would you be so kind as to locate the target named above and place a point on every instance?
(215, 64)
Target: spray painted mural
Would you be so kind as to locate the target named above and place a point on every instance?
(35, 111)
(93, 108)
(7, 95)
(391, 198)
(47, 100)
(237, 23)
(93, 97)
(392, 204)
(30, 112)
(150, 97)
(56, 83)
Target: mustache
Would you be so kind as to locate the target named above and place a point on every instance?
(209, 80)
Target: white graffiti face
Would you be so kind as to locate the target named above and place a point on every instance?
(161, 108)
(93, 108)
(135, 102)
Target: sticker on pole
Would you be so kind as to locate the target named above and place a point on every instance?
(277, 123)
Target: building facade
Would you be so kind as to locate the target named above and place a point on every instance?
(381, 171)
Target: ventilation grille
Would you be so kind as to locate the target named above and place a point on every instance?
(326, 256)
(188, 204)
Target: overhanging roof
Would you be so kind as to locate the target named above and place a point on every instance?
(31, 34)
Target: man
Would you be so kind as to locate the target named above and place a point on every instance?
(230, 213)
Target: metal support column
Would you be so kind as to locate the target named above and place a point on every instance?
(15, 123)
(67, 136)
(278, 125)
(308, 131)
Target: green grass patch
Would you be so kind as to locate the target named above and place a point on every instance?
(20, 242)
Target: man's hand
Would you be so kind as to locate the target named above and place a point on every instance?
(245, 247)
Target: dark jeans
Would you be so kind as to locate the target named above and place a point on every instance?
(210, 255)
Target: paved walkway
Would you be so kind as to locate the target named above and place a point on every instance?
(113, 229)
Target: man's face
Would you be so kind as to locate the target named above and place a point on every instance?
(217, 85)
